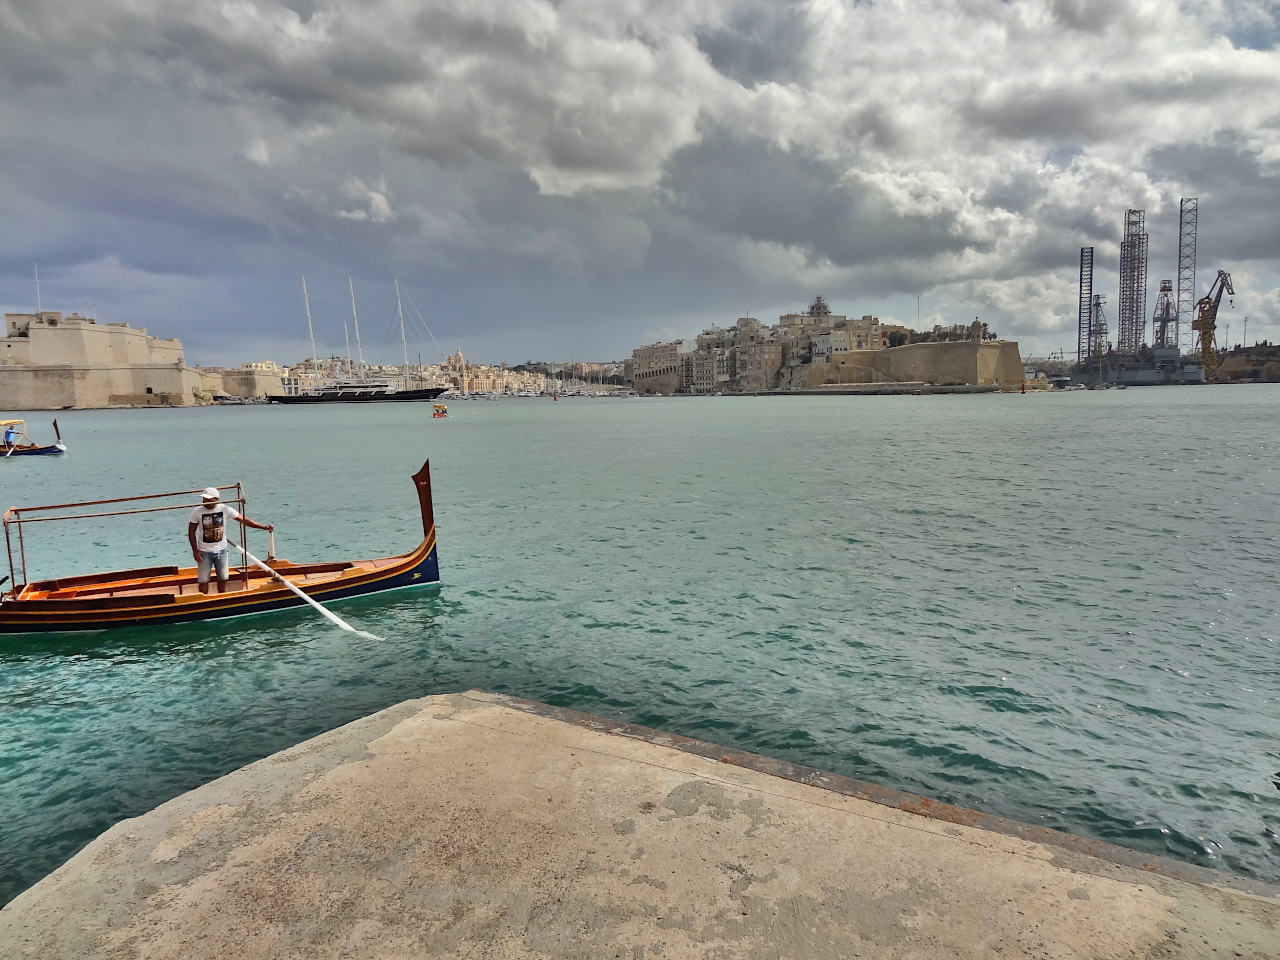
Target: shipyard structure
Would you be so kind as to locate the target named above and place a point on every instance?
(818, 349)
(1133, 358)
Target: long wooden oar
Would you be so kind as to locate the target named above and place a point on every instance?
(332, 617)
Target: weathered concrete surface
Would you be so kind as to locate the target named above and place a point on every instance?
(469, 826)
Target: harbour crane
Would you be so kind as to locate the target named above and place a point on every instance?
(1206, 322)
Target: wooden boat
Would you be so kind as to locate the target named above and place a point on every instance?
(170, 594)
(14, 441)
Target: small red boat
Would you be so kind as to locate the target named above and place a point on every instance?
(171, 594)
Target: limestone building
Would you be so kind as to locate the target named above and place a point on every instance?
(48, 361)
(466, 377)
(657, 368)
(257, 380)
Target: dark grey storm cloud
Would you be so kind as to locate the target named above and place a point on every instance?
(574, 178)
(756, 43)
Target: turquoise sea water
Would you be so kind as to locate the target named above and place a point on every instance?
(1058, 608)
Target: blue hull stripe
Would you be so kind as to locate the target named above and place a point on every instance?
(37, 452)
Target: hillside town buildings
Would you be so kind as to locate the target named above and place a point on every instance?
(456, 373)
(818, 348)
(749, 355)
(486, 378)
(52, 361)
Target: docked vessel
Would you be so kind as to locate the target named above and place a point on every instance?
(360, 392)
(1150, 366)
(171, 594)
(14, 441)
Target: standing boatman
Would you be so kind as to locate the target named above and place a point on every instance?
(210, 550)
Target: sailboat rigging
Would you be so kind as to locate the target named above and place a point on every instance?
(361, 388)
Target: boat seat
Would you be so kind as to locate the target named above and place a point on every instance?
(286, 569)
(64, 583)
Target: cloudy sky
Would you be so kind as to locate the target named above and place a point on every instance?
(554, 180)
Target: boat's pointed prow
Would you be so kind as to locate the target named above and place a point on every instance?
(422, 480)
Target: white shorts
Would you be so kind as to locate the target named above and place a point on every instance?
(213, 560)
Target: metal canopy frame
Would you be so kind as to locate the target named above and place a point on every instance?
(15, 518)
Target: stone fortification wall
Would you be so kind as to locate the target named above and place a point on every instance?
(809, 376)
(862, 367)
(49, 387)
(970, 361)
(48, 361)
(1000, 362)
(1257, 363)
(50, 338)
(251, 383)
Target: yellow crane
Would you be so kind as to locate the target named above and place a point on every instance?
(1206, 322)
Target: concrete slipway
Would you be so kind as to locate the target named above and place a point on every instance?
(477, 825)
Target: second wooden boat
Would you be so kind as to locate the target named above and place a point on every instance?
(14, 441)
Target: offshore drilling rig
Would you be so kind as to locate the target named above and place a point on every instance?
(1130, 360)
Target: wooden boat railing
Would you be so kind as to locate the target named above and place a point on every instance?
(18, 517)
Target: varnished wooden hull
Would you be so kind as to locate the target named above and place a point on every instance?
(48, 450)
(161, 595)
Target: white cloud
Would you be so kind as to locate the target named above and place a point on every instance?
(376, 208)
(258, 152)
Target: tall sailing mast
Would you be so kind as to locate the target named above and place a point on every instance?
(356, 321)
(306, 302)
(403, 343)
